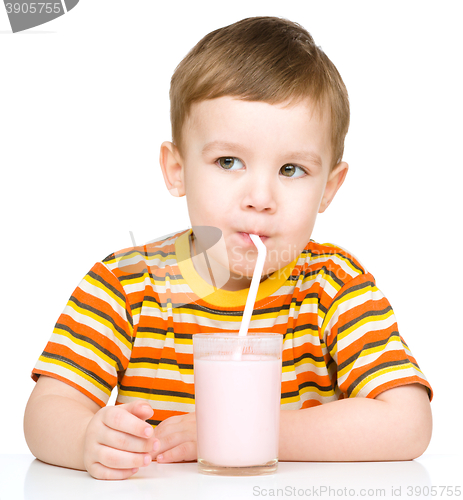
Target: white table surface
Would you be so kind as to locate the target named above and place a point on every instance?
(23, 477)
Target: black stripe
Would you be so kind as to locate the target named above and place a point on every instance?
(355, 320)
(268, 310)
(185, 336)
(154, 300)
(342, 256)
(194, 306)
(158, 392)
(351, 289)
(373, 370)
(101, 315)
(309, 355)
(150, 329)
(327, 388)
(324, 388)
(309, 326)
(363, 316)
(128, 277)
(326, 271)
(139, 305)
(365, 347)
(331, 346)
(150, 271)
(298, 303)
(360, 269)
(75, 365)
(147, 298)
(141, 251)
(174, 362)
(92, 342)
(313, 295)
(116, 292)
(153, 361)
(162, 331)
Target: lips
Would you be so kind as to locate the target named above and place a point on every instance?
(246, 237)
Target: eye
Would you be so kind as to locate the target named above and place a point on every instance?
(229, 163)
(290, 170)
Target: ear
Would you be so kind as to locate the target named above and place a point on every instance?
(172, 168)
(334, 182)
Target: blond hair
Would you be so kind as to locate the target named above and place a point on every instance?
(260, 59)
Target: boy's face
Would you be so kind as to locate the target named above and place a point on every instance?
(252, 167)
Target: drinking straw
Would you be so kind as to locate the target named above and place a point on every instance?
(249, 307)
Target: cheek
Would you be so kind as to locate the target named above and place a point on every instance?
(206, 205)
(300, 216)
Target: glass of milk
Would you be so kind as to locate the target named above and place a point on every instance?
(237, 402)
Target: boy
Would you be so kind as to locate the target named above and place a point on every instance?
(259, 116)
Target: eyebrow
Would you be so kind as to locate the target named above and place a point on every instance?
(214, 145)
(306, 156)
(302, 156)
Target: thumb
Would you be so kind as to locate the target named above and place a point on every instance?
(140, 409)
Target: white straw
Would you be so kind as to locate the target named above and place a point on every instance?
(249, 307)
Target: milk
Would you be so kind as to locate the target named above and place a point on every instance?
(237, 409)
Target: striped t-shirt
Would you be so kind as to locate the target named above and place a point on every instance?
(130, 324)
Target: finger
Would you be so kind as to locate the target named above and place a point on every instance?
(125, 442)
(140, 410)
(121, 419)
(119, 459)
(99, 471)
(176, 419)
(185, 452)
(174, 424)
(171, 440)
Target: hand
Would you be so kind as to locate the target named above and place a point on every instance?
(118, 441)
(175, 439)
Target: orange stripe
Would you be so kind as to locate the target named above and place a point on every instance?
(282, 307)
(68, 382)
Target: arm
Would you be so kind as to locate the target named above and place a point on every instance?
(64, 427)
(397, 425)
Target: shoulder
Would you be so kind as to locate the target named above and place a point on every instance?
(126, 271)
(141, 259)
(328, 270)
(332, 260)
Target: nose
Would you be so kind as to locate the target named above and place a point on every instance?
(259, 194)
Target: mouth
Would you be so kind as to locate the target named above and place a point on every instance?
(247, 239)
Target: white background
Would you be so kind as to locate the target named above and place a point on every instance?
(84, 108)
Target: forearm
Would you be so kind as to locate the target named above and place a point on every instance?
(54, 427)
(357, 429)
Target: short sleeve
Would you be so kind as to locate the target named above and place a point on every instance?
(361, 334)
(92, 341)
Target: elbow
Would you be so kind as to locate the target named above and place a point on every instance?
(421, 443)
(30, 431)
(417, 436)
(410, 420)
